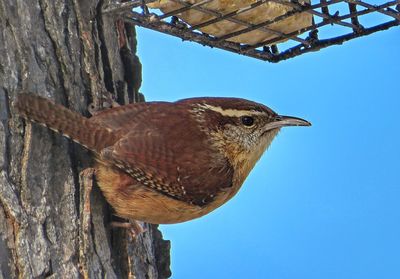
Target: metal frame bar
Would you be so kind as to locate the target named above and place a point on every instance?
(351, 20)
(240, 22)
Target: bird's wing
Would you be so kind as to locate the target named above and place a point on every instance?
(127, 115)
(171, 161)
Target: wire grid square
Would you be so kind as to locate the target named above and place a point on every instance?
(332, 23)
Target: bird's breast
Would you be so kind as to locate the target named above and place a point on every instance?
(134, 201)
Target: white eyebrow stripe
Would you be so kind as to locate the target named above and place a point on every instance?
(231, 112)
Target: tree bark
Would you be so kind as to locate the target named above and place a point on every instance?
(70, 52)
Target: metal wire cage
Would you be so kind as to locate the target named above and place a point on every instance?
(332, 22)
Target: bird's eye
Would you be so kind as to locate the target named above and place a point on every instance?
(247, 121)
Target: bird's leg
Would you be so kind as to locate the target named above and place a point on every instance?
(86, 181)
(134, 227)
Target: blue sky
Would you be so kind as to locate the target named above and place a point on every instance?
(323, 202)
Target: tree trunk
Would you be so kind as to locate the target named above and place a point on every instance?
(69, 52)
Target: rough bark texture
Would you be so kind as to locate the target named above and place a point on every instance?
(69, 52)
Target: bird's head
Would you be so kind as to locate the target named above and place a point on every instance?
(240, 128)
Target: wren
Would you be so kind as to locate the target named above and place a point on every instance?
(162, 162)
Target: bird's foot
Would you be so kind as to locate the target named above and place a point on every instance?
(133, 226)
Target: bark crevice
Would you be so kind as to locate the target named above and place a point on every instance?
(69, 52)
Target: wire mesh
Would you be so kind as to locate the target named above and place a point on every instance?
(270, 30)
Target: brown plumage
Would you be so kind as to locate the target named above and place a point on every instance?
(165, 162)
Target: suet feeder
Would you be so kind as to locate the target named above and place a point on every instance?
(270, 30)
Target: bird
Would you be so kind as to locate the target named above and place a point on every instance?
(249, 11)
(167, 162)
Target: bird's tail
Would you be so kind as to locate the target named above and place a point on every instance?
(64, 121)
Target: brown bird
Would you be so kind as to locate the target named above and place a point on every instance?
(162, 162)
(269, 10)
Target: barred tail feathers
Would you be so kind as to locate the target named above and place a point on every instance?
(64, 121)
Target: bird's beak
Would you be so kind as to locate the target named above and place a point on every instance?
(283, 121)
